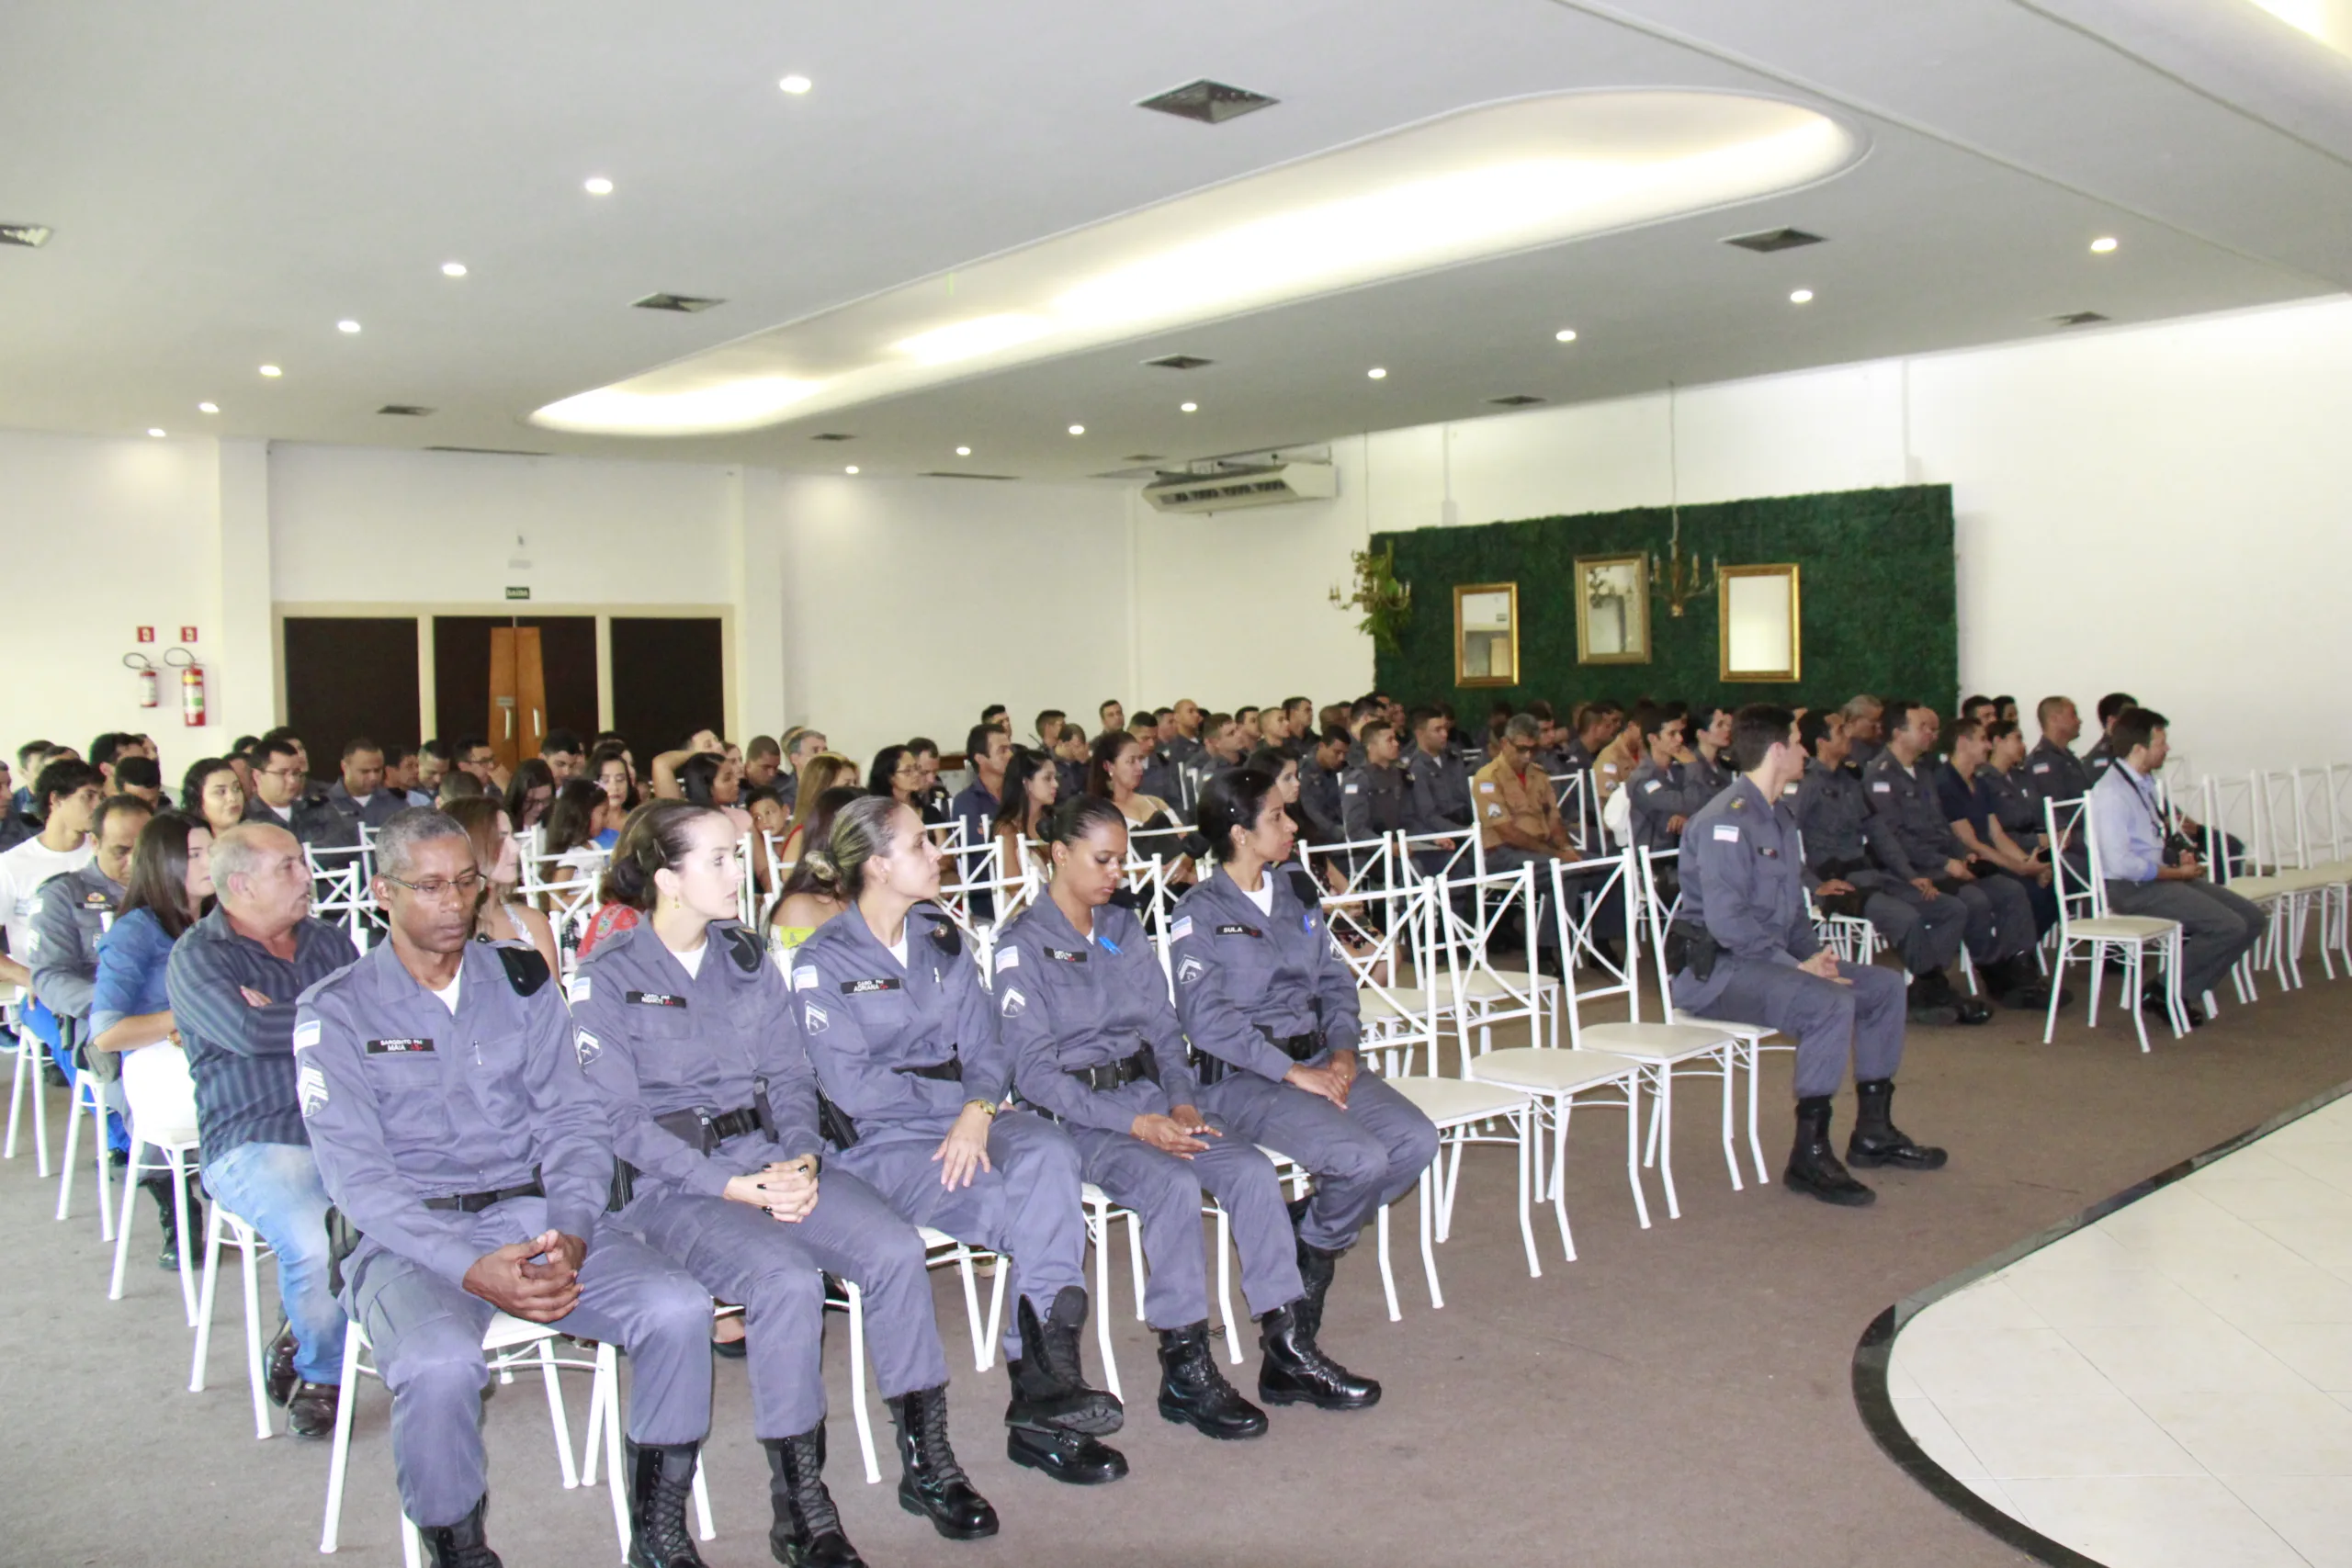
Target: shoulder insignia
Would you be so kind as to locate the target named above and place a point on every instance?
(1738, 804)
(525, 970)
(947, 938)
(746, 948)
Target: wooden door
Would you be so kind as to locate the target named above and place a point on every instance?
(348, 676)
(462, 673)
(518, 695)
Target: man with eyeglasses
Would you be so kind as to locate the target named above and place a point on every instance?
(279, 799)
(232, 981)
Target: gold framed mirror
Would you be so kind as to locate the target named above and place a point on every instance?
(1761, 625)
(1612, 609)
(1486, 634)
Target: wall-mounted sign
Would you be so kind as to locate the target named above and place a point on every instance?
(146, 634)
(518, 594)
(188, 634)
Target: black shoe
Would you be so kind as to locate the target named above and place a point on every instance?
(807, 1528)
(461, 1545)
(930, 1481)
(158, 1186)
(1192, 1389)
(731, 1350)
(52, 1075)
(1071, 1457)
(1969, 1012)
(1049, 1389)
(309, 1409)
(1931, 1003)
(661, 1480)
(1812, 1167)
(2151, 1002)
(1877, 1140)
(1293, 1370)
(278, 1368)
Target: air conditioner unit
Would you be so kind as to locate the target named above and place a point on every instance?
(1274, 484)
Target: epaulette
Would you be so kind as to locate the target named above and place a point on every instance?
(525, 970)
(746, 948)
(947, 938)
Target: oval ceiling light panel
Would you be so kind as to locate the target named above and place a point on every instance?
(1467, 186)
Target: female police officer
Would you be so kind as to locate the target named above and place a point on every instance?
(904, 1040)
(1083, 1005)
(1271, 1012)
(684, 1027)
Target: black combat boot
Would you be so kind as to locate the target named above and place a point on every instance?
(1192, 1389)
(807, 1528)
(2014, 984)
(1813, 1164)
(461, 1545)
(661, 1480)
(1877, 1140)
(1293, 1370)
(158, 1186)
(1931, 1003)
(930, 1481)
(1049, 1389)
(1316, 1269)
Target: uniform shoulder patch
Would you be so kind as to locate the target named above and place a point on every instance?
(525, 970)
(1880, 786)
(947, 938)
(312, 1084)
(1182, 929)
(1014, 1003)
(586, 1046)
(306, 1034)
(1727, 832)
(746, 948)
(1189, 970)
(1007, 957)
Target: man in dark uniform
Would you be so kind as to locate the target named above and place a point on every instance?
(360, 794)
(457, 1133)
(280, 801)
(1439, 797)
(1372, 794)
(2052, 771)
(1320, 787)
(1745, 948)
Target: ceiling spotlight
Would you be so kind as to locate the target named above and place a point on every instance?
(2103, 245)
(347, 326)
(1801, 296)
(1077, 430)
(1565, 334)
(1188, 408)
(796, 86)
(453, 270)
(156, 433)
(272, 371)
(963, 451)
(851, 469)
(1377, 374)
(598, 186)
(208, 408)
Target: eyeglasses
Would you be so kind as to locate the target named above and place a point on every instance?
(283, 772)
(435, 887)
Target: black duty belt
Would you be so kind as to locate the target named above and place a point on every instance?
(475, 1203)
(1297, 1047)
(1119, 1074)
(948, 1071)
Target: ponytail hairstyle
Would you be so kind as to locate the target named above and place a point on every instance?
(1107, 748)
(1073, 820)
(809, 874)
(657, 836)
(1232, 799)
(861, 830)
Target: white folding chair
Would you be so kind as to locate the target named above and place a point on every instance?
(87, 1097)
(1748, 1040)
(2085, 925)
(162, 1096)
(339, 891)
(225, 1229)
(30, 1052)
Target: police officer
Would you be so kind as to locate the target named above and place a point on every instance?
(903, 1036)
(1707, 758)
(1321, 800)
(1374, 794)
(1270, 1012)
(455, 1131)
(1744, 947)
(71, 911)
(1925, 927)
(1085, 1008)
(1439, 781)
(2052, 771)
(1920, 847)
(684, 1029)
(1665, 790)
(2007, 783)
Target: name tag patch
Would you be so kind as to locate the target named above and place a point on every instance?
(2042, 767)
(1652, 787)
(1354, 789)
(867, 988)
(401, 1048)
(1881, 787)
(1062, 956)
(95, 901)
(1727, 832)
(652, 1000)
(1239, 931)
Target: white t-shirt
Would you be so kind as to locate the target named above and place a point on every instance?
(22, 871)
(284, 813)
(692, 962)
(899, 948)
(1264, 896)
(448, 993)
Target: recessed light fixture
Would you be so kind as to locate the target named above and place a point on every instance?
(2103, 245)
(152, 431)
(851, 469)
(1377, 374)
(796, 86)
(1801, 296)
(963, 451)
(208, 408)
(347, 326)
(1565, 334)
(1077, 430)
(272, 371)
(1188, 408)
(453, 270)
(597, 185)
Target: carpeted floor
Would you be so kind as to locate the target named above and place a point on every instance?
(1676, 1396)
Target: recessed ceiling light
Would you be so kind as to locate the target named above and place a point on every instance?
(1077, 430)
(851, 469)
(796, 86)
(154, 433)
(1377, 374)
(1188, 408)
(1565, 334)
(208, 408)
(272, 370)
(963, 451)
(347, 326)
(1801, 296)
(2103, 245)
(597, 185)
(453, 270)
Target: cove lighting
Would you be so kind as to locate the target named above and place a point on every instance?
(1801, 296)
(2103, 245)
(157, 434)
(1466, 186)
(208, 408)
(796, 86)
(453, 270)
(1188, 408)
(1565, 334)
(2329, 21)
(347, 326)
(597, 185)
(272, 371)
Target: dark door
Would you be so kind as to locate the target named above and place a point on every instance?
(461, 671)
(668, 680)
(347, 676)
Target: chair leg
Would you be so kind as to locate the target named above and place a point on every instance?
(1224, 1283)
(2136, 979)
(1135, 1261)
(178, 1160)
(1522, 1122)
(2057, 983)
(983, 1343)
(553, 1381)
(1633, 1148)
(72, 1149)
(1560, 1108)
(122, 1224)
(608, 1381)
(996, 1314)
(1100, 1225)
(1755, 1142)
(1662, 1136)
(105, 1177)
(1388, 1275)
(703, 1528)
(204, 1305)
(857, 1405)
(339, 1454)
(1730, 1061)
(15, 1095)
(248, 1269)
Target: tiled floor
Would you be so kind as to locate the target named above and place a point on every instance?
(2172, 1384)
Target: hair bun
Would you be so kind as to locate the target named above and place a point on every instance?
(821, 866)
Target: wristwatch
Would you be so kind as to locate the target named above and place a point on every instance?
(986, 1107)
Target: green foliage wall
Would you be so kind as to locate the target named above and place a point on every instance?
(1878, 607)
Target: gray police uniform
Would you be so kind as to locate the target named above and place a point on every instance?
(1440, 793)
(1372, 802)
(1659, 794)
(380, 807)
(900, 1049)
(443, 1138)
(1095, 1045)
(1259, 991)
(313, 823)
(2014, 806)
(2052, 772)
(1742, 880)
(714, 1052)
(1837, 823)
(1919, 840)
(1320, 799)
(1715, 776)
(67, 921)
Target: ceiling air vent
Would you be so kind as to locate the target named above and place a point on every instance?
(944, 474)
(488, 451)
(832, 436)
(2078, 318)
(1771, 240)
(1515, 400)
(1268, 485)
(406, 411)
(685, 304)
(1142, 457)
(1179, 362)
(1211, 103)
(35, 235)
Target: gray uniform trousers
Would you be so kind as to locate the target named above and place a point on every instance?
(1362, 1158)
(1027, 1207)
(772, 1268)
(1927, 933)
(1165, 1189)
(427, 1337)
(1830, 1021)
(2217, 927)
(2000, 917)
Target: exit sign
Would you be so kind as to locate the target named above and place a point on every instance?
(518, 594)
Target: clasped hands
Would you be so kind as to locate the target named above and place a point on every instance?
(538, 1280)
(786, 1189)
(1331, 1080)
(1178, 1132)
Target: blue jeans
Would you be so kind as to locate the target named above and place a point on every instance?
(43, 1024)
(275, 1188)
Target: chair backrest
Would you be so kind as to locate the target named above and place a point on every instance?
(339, 888)
(2314, 793)
(2277, 825)
(1407, 1021)
(2230, 813)
(1464, 934)
(161, 1094)
(1369, 885)
(1580, 901)
(1658, 916)
(2076, 879)
(1574, 794)
(1455, 853)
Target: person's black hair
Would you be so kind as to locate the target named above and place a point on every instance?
(1755, 731)
(106, 748)
(698, 777)
(115, 805)
(399, 751)
(192, 783)
(1376, 727)
(1650, 720)
(458, 785)
(1241, 715)
(992, 715)
(922, 743)
(1108, 703)
(1363, 707)
(1335, 736)
(530, 773)
(138, 769)
(1970, 703)
(1542, 710)
(1417, 716)
(1100, 754)
(269, 749)
(1265, 759)
(244, 744)
(1074, 818)
(612, 737)
(27, 752)
(2113, 704)
(463, 744)
(761, 746)
(657, 836)
(2134, 725)
(1046, 716)
(817, 832)
(1012, 801)
(1961, 728)
(884, 768)
(159, 872)
(67, 775)
(1231, 799)
(2000, 729)
(561, 740)
(570, 815)
(976, 741)
(613, 751)
(437, 749)
(1813, 729)
(1897, 712)
(360, 743)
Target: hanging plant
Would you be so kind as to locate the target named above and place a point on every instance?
(1387, 603)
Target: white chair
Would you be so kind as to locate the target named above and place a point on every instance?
(2283, 896)
(162, 1096)
(224, 1228)
(30, 1052)
(1457, 962)
(1748, 1040)
(339, 889)
(87, 1098)
(2084, 925)
(1100, 1214)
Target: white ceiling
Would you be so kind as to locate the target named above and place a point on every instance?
(227, 180)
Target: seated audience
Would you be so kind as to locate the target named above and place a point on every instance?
(801, 746)
(1968, 802)
(1373, 793)
(473, 755)
(820, 774)
(1439, 801)
(1865, 730)
(280, 776)
(762, 762)
(1518, 818)
(1668, 789)
(897, 773)
(136, 774)
(609, 766)
(2101, 756)
(530, 792)
(1031, 785)
(581, 813)
(457, 785)
(500, 913)
(809, 895)
(930, 796)
(360, 794)
(1116, 773)
(431, 767)
(1320, 787)
(1707, 742)
(990, 749)
(67, 794)
(565, 756)
(68, 917)
(2052, 771)
(2005, 776)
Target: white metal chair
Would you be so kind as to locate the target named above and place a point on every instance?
(30, 1052)
(339, 890)
(87, 1097)
(2086, 926)
(225, 1229)
(2283, 899)
(1748, 1040)
(162, 1095)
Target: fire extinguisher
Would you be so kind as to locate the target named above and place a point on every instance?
(149, 683)
(191, 685)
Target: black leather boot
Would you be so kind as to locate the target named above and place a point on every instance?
(461, 1545)
(807, 1528)
(1929, 1003)
(661, 1480)
(158, 1186)
(930, 1481)
(1192, 1389)
(1316, 1269)
(1877, 1140)
(1812, 1168)
(1071, 1457)
(2014, 984)
(1292, 1369)
(1049, 1390)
